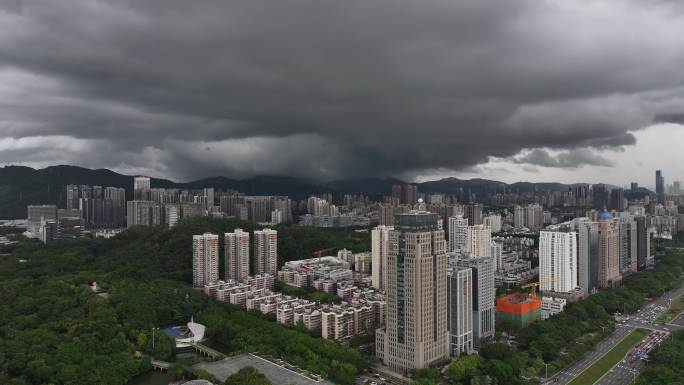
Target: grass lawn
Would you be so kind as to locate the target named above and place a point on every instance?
(676, 308)
(600, 367)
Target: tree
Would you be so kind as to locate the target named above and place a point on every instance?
(247, 376)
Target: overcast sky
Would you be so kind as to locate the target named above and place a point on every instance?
(552, 90)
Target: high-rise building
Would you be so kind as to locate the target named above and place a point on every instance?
(493, 221)
(266, 251)
(601, 196)
(72, 196)
(144, 213)
(479, 241)
(642, 235)
(484, 296)
(473, 212)
(205, 259)
(416, 333)
(617, 199)
(558, 259)
(141, 188)
(587, 255)
(379, 248)
(660, 187)
(237, 254)
(37, 214)
(530, 216)
(460, 312)
(173, 214)
(634, 187)
(405, 193)
(628, 245)
(385, 215)
(497, 255)
(458, 233)
(114, 207)
(609, 251)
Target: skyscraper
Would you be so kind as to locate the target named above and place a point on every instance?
(416, 333)
(458, 233)
(460, 312)
(628, 244)
(587, 254)
(479, 241)
(204, 259)
(141, 188)
(484, 296)
(266, 251)
(473, 212)
(609, 251)
(660, 187)
(37, 214)
(642, 235)
(617, 199)
(237, 254)
(379, 248)
(558, 259)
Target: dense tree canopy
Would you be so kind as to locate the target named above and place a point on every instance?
(54, 330)
(247, 376)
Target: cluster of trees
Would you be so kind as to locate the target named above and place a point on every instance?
(55, 332)
(565, 337)
(247, 376)
(665, 363)
(53, 329)
(238, 331)
(298, 242)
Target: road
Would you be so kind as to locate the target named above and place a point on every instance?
(623, 373)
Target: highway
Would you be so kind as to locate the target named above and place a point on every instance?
(624, 372)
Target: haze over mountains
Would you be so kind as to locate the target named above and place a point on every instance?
(21, 186)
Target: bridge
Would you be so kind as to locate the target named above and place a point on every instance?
(161, 365)
(207, 351)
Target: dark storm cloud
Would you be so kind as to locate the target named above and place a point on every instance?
(333, 89)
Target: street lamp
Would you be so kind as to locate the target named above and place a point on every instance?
(153, 330)
(546, 373)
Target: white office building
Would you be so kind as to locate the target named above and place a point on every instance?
(379, 245)
(479, 241)
(458, 233)
(558, 259)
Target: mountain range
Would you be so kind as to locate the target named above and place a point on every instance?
(21, 186)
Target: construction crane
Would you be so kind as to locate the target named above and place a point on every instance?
(534, 285)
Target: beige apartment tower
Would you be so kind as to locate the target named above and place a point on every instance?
(416, 333)
(204, 259)
(609, 251)
(237, 254)
(379, 246)
(266, 251)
